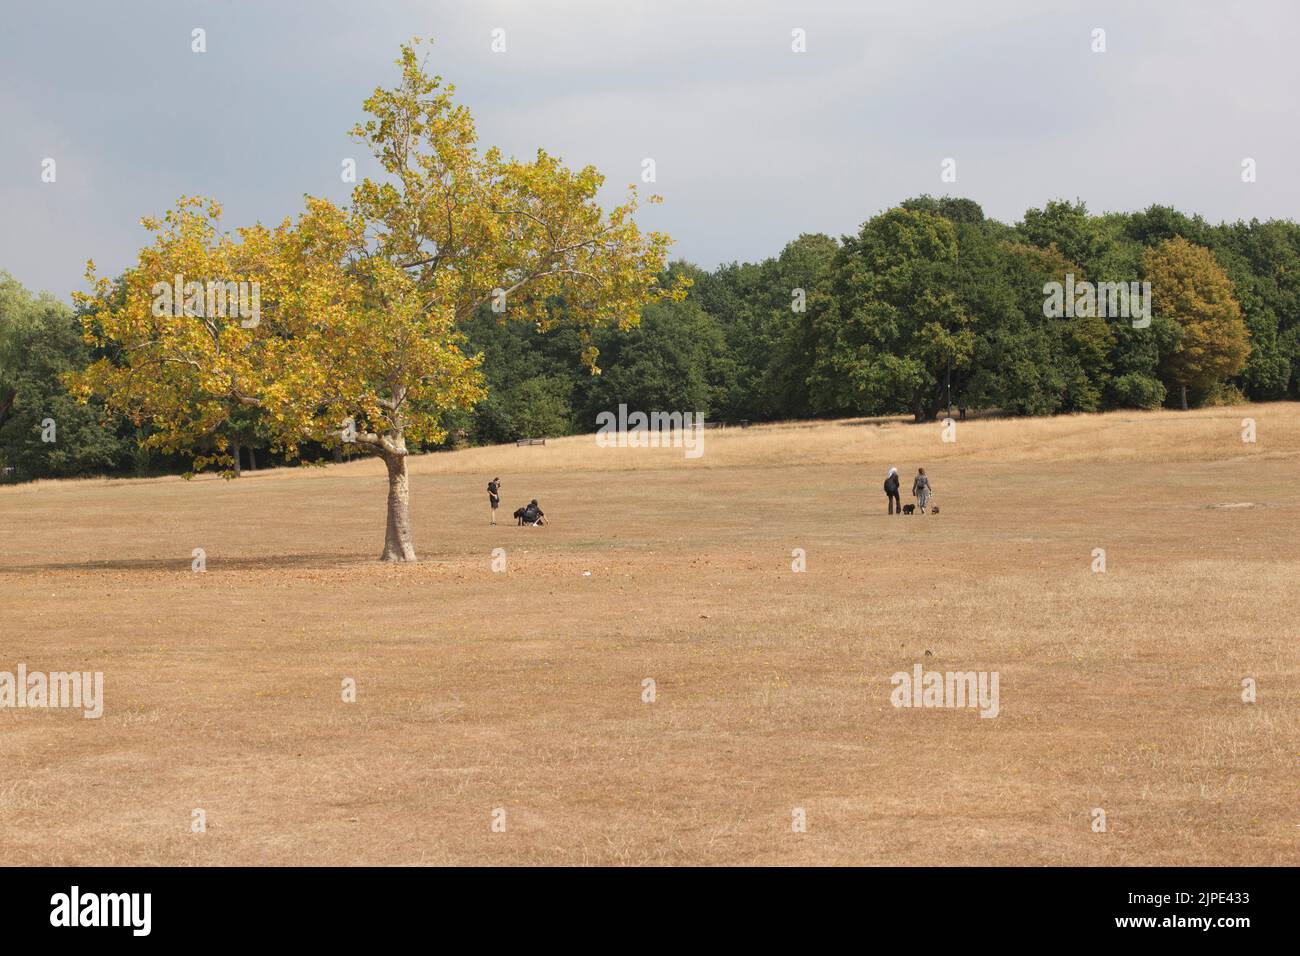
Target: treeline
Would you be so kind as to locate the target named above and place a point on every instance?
(930, 304)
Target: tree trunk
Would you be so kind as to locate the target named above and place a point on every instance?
(6, 403)
(1184, 398)
(252, 462)
(923, 411)
(398, 545)
(234, 451)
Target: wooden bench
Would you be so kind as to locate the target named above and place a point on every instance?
(529, 441)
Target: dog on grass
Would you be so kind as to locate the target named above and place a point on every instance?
(934, 510)
(908, 509)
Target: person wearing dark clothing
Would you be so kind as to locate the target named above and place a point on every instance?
(494, 496)
(891, 492)
(531, 514)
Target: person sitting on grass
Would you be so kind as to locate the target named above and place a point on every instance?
(531, 514)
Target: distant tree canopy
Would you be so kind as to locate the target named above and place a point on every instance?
(928, 303)
(44, 432)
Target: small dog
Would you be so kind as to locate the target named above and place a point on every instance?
(934, 510)
(908, 509)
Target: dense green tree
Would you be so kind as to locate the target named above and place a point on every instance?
(893, 325)
(956, 210)
(763, 310)
(1263, 261)
(522, 365)
(1068, 227)
(675, 360)
(1158, 224)
(1031, 363)
(541, 406)
(44, 432)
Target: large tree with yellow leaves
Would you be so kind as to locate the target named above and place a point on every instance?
(356, 333)
(1190, 287)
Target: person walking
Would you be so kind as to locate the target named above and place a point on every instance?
(921, 489)
(891, 492)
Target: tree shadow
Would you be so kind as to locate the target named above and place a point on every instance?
(183, 563)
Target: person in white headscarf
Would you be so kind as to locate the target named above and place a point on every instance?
(891, 491)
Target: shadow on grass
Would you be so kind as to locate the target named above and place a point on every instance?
(215, 563)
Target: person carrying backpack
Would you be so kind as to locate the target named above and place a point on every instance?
(891, 491)
(531, 514)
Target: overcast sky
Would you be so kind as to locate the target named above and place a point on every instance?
(753, 143)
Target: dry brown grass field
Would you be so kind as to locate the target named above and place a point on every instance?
(522, 690)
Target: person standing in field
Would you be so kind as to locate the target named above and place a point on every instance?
(921, 489)
(494, 497)
(891, 492)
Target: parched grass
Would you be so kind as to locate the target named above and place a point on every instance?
(523, 690)
(1121, 437)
